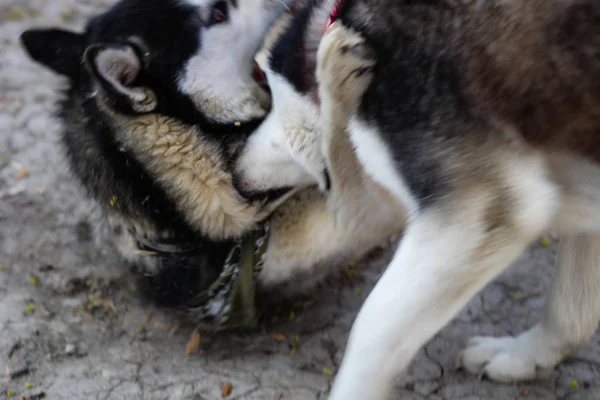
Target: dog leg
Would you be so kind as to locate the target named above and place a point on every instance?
(312, 232)
(344, 64)
(443, 260)
(449, 252)
(571, 318)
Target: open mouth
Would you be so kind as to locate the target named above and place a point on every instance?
(260, 77)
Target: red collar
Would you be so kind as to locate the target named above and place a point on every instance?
(334, 13)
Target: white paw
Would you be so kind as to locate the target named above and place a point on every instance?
(509, 359)
(344, 64)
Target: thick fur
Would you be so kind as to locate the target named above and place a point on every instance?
(151, 134)
(482, 119)
(151, 140)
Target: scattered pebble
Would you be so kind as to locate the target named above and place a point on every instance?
(15, 190)
(70, 348)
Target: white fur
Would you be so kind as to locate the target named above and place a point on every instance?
(449, 253)
(378, 163)
(266, 161)
(445, 258)
(220, 82)
(285, 150)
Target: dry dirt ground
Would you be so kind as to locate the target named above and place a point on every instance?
(72, 328)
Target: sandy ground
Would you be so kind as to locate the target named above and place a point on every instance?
(71, 328)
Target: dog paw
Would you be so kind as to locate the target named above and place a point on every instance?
(508, 359)
(344, 65)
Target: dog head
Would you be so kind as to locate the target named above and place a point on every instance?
(286, 149)
(155, 82)
(199, 49)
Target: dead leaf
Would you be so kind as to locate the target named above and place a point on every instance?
(23, 172)
(193, 344)
(226, 390)
(278, 337)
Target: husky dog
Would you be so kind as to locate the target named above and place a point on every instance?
(160, 94)
(160, 102)
(483, 119)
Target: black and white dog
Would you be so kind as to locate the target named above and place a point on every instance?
(161, 93)
(160, 103)
(482, 119)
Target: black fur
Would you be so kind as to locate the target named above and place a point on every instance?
(111, 174)
(288, 56)
(415, 90)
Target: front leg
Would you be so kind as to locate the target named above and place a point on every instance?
(447, 255)
(344, 71)
(440, 264)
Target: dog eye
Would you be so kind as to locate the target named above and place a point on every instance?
(218, 13)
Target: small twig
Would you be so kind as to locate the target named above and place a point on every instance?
(20, 373)
(14, 348)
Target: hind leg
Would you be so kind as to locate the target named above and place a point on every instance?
(571, 318)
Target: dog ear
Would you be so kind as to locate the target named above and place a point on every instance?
(116, 68)
(59, 50)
